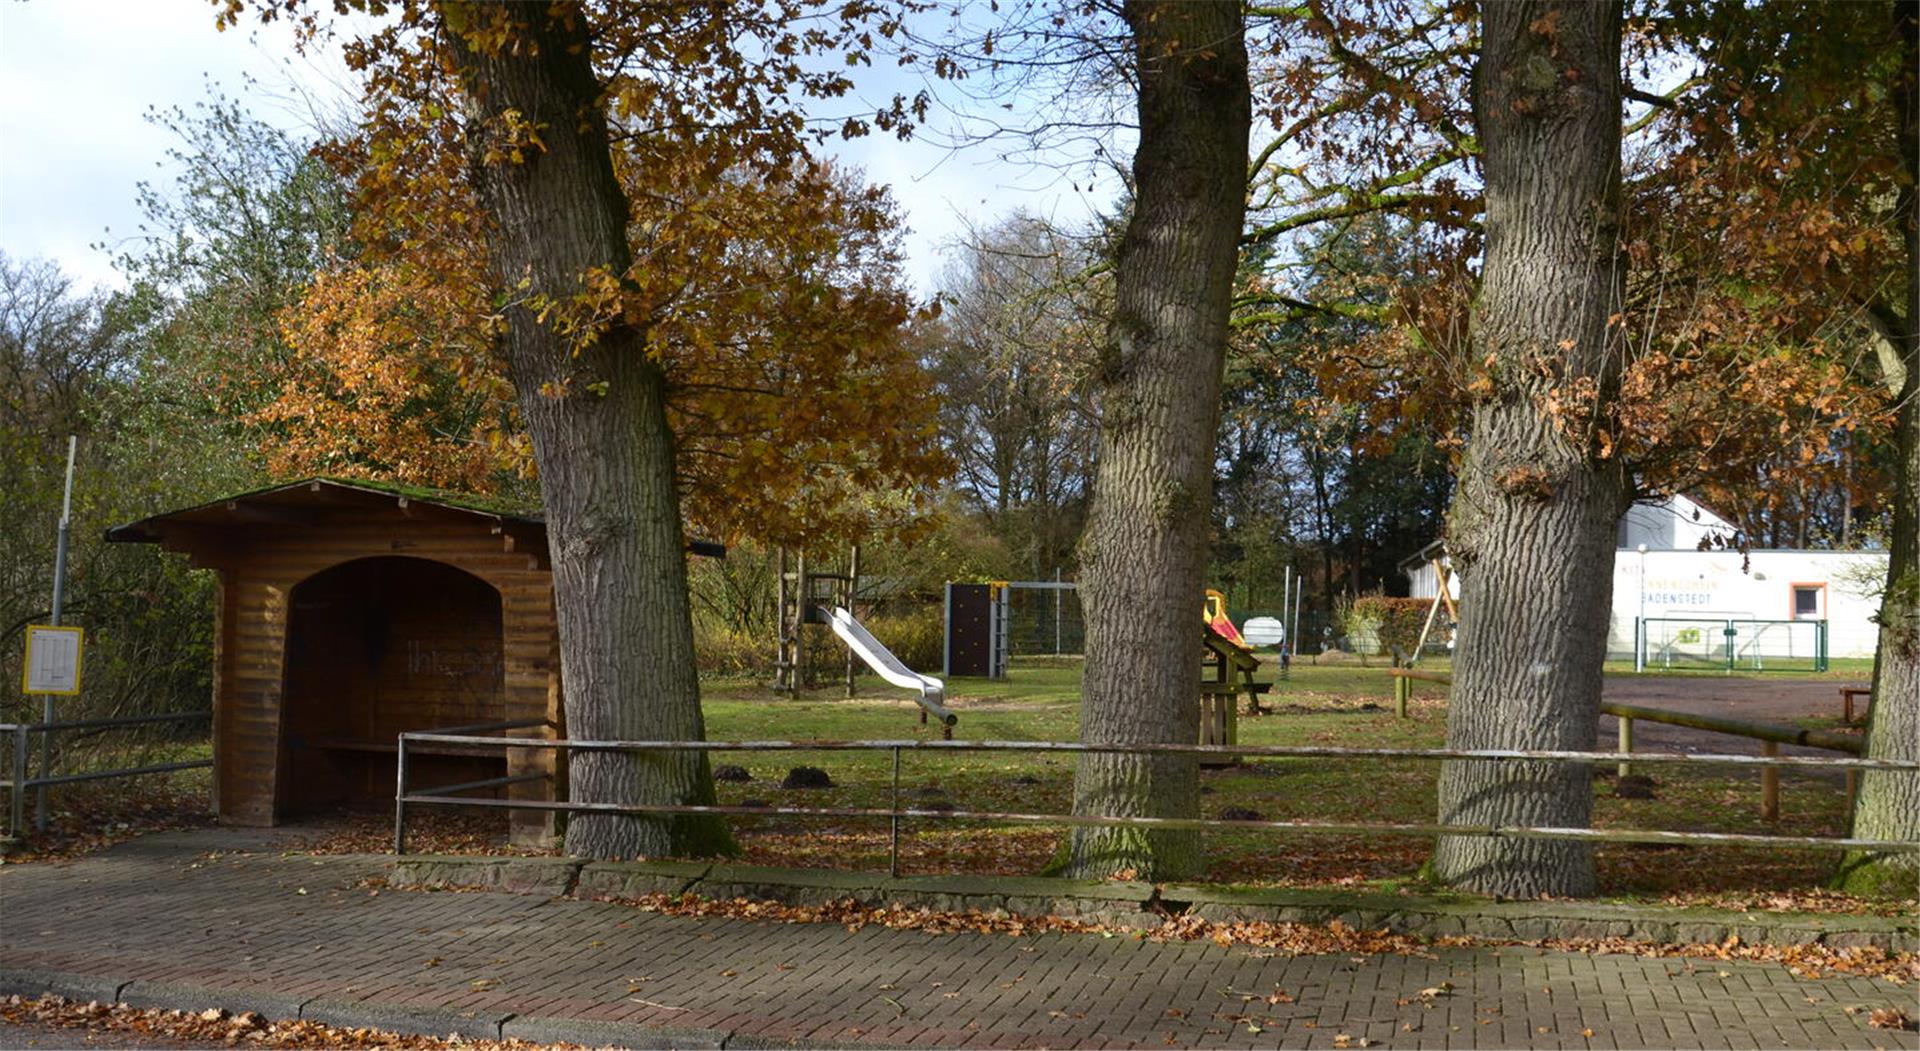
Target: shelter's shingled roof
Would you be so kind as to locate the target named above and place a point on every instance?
(311, 492)
(322, 492)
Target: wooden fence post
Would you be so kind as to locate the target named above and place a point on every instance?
(1770, 783)
(1402, 692)
(1626, 744)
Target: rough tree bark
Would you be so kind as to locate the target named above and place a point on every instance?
(1532, 524)
(600, 438)
(1143, 555)
(1888, 805)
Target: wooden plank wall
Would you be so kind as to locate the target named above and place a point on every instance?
(259, 567)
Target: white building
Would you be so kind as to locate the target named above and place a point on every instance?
(1423, 574)
(1673, 524)
(1689, 597)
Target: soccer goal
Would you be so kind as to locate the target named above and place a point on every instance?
(1730, 644)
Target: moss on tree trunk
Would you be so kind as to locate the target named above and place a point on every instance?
(1888, 803)
(1144, 553)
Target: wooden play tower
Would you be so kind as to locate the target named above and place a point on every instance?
(802, 593)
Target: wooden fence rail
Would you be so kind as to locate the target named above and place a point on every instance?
(1771, 735)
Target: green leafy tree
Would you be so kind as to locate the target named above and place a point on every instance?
(69, 365)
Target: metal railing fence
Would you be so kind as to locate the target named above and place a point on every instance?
(404, 797)
(21, 781)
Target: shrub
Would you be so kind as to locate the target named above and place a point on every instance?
(1360, 625)
(1394, 621)
(731, 653)
(914, 636)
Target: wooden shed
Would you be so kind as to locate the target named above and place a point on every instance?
(348, 613)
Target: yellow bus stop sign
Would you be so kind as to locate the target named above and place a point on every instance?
(53, 660)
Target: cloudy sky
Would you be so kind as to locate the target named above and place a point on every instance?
(78, 76)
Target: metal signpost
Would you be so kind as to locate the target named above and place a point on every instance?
(54, 649)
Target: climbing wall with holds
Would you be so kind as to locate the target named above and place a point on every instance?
(976, 631)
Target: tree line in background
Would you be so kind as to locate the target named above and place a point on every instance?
(1492, 273)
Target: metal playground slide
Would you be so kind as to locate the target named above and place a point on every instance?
(931, 691)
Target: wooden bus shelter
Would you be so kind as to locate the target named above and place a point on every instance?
(350, 612)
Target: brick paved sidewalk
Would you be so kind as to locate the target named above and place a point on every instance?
(163, 922)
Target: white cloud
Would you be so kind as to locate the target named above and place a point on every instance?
(77, 77)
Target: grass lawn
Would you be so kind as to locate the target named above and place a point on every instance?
(1345, 705)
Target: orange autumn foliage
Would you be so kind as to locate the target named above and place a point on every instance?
(767, 284)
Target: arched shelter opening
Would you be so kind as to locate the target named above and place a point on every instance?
(377, 647)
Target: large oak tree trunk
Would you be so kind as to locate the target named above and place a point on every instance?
(1144, 552)
(1532, 524)
(598, 421)
(1888, 806)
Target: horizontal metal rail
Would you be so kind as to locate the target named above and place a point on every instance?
(18, 783)
(502, 724)
(1092, 821)
(403, 797)
(488, 782)
(103, 775)
(117, 721)
(1274, 751)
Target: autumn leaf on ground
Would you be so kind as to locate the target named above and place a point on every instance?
(215, 1027)
(1891, 1018)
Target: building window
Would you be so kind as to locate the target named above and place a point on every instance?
(1807, 601)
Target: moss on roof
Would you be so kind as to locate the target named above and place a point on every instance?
(496, 507)
(492, 505)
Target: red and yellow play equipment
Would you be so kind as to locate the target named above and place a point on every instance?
(1226, 672)
(1214, 612)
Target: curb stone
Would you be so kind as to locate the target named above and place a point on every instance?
(608, 880)
(350, 1014)
(551, 876)
(430, 1021)
(610, 1034)
(197, 998)
(793, 886)
(1119, 902)
(81, 987)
